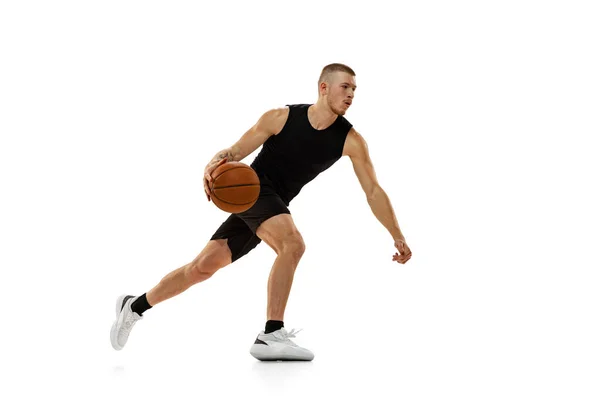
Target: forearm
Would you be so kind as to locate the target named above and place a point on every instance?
(382, 209)
(231, 154)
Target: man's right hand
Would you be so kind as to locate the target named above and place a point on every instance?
(270, 123)
(210, 167)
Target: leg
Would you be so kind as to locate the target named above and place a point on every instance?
(232, 240)
(213, 257)
(281, 234)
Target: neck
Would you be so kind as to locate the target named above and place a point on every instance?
(320, 115)
(321, 108)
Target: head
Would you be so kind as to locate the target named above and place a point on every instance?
(337, 84)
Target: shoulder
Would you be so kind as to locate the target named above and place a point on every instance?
(276, 113)
(298, 106)
(345, 123)
(355, 145)
(274, 119)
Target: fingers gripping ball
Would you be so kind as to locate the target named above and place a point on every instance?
(235, 187)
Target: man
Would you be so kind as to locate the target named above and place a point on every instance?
(299, 142)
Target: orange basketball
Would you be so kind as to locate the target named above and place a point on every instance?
(235, 187)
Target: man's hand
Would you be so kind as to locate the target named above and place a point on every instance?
(404, 251)
(207, 174)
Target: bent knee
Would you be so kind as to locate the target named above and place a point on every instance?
(202, 269)
(197, 273)
(206, 264)
(293, 245)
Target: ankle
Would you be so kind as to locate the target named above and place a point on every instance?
(140, 305)
(273, 325)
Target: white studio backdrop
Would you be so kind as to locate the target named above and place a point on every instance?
(480, 119)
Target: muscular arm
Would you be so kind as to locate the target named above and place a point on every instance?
(270, 123)
(356, 148)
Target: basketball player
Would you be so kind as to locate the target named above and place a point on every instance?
(299, 142)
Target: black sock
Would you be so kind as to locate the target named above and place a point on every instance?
(140, 304)
(273, 326)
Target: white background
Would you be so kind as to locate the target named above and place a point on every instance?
(480, 118)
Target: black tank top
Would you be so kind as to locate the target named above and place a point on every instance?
(295, 156)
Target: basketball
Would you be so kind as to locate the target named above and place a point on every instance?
(235, 187)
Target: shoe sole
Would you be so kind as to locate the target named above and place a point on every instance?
(114, 333)
(262, 353)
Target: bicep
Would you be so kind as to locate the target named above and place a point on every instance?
(258, 134)
(363, 166)
(250, 141)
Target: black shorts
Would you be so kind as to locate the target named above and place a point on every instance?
(240, 229)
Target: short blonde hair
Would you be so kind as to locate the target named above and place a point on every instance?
(331, 68)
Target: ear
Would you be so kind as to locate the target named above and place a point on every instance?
(323, 88)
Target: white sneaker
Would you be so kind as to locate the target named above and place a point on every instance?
(125, 321)
(278, 346)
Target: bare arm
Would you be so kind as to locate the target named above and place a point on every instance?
(356, 148)
(270, 123)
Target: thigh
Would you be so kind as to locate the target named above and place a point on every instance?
(215, 255)
(268, 205)
(239, 237)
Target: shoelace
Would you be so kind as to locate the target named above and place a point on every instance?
(293, 332)
(128, 323)
(285, 335)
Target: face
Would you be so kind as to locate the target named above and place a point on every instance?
(339, 92)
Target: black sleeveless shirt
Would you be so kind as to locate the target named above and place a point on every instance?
(295, 156)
